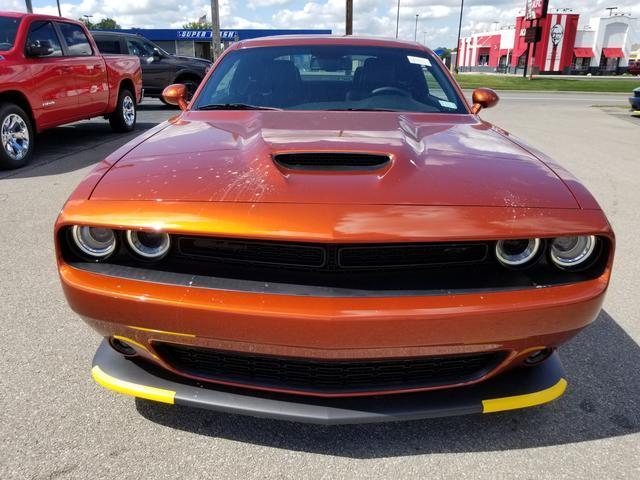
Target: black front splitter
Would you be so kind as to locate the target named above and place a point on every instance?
(519, 388)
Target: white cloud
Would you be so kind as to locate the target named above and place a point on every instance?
(268, 3)
(438, 19)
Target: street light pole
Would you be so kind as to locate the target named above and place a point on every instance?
(398, 19)
(415, 35)
(29, 6)
(59, 11)
(349, 18)
(215, 29)
(459, 32)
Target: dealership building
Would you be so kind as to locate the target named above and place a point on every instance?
(197, 43)
(602, 46)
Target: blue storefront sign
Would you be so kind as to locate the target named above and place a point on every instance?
(206, 34)
(167, 34)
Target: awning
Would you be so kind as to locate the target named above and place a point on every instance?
(488, 41)
(613, 52)
(520, 50)
(583, 53)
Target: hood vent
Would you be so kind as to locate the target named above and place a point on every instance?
(340, 161)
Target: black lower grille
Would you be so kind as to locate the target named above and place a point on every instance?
(327, 376)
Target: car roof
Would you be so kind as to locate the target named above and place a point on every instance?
(37, 16)
(115, 34)
(319, 39)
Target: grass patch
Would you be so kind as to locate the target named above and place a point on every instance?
(594, 84)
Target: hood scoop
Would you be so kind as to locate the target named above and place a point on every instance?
(331, 161)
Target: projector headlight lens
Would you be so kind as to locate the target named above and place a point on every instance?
(515, 253)
(569, 252)
(149, 245)
(95, 242)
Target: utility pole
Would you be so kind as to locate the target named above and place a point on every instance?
(29, 6)
(349, 18)
(215, 29)
(59, 11)
(459, 32)
(398, 19)
(415, 35)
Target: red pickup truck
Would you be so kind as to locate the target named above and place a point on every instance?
(52, 73)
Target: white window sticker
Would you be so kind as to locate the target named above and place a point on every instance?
(446, 104)
(419, 60)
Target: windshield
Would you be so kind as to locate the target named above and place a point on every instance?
(335, 77)
(8, 31)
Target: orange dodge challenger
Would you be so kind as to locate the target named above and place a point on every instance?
(329, 233)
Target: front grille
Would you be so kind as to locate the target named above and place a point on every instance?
(329, 257)
(264, 253)
(385, 256)
(327, 376)
(331, 161)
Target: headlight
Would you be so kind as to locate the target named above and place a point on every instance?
(150, 245)
(514, 253)
(569, 252)
(96, 242)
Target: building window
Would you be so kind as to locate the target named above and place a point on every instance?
(608, 64)
(483, 60)
(522, 60)
(580, 63)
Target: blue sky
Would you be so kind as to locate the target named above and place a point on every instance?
(438, 21)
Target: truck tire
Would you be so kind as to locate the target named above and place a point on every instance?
(16, 137)
(123, 119)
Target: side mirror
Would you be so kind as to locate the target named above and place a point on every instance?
(176, 94)
(156, 55)
(40, 48)
(483, 98)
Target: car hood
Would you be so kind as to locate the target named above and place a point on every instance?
(197, 60)
(436, 159)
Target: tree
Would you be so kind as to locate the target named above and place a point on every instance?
(197, 26)
(104, 24)
(88, 23)
(444, 52)
(107, 24)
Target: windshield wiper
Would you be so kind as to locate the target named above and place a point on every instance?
(362, 110)
(235, 106)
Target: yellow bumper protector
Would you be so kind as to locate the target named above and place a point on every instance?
(526, 400)
(122, 386)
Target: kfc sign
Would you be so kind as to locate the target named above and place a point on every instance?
(536, 9)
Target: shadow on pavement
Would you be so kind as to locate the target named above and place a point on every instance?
(71, 147)
(158, 106)
(602, 400)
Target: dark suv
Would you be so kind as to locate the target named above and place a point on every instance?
(159, 68)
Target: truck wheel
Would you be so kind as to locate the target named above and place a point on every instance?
(123, 119)
(16, 137)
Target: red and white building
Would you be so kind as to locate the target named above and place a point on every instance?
(604, 45)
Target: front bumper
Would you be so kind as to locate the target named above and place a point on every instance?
(518, 388)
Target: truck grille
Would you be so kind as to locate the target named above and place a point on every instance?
(327, 376)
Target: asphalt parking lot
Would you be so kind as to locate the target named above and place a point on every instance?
(55, 423)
